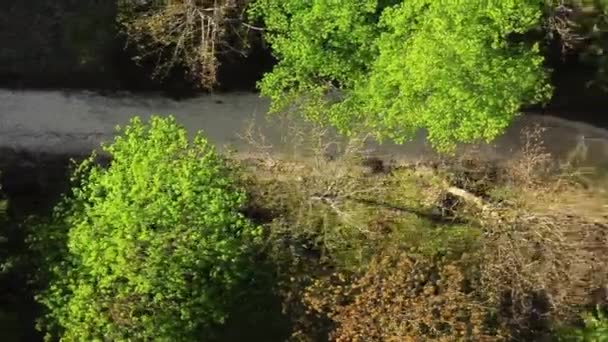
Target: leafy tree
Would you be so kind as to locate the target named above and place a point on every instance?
(459, 69)
(151, 247)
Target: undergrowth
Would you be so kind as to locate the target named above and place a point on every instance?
(455, 248)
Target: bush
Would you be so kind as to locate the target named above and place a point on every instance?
(339, 215)
(405, 298)
(595, 329)
(151, 247)
(581, 28)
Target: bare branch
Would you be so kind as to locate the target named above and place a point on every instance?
(188, 33)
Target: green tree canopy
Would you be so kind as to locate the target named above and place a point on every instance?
(461, 70)
(153, 245)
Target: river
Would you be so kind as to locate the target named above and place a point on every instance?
(75, 122)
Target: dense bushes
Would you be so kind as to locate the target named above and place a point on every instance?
(405, 298)
(445, 250)
(151, 247)
(187, 34)
(158, 245)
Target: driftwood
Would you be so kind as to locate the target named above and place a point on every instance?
(333, 203)
(468, 197)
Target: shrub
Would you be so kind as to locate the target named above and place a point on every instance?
(595, 329)
(337, 215)
(151, 247)
(405, 298)
(12, 274)
(429, 250)
(581, 27)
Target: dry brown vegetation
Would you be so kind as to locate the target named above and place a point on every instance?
(403, 298)
(187, 33)
(458, 248)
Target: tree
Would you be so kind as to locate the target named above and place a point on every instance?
(581, 28)
(152, 247)
(461, 70)
(188, 33)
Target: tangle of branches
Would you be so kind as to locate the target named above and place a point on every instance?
(187, 33)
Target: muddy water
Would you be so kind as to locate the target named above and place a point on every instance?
(59, 122)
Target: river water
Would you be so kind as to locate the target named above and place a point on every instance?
(76, 122)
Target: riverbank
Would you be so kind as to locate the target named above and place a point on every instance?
(332, 212)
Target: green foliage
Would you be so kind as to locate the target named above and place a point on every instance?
(595, 329)
(150, 248)
(460, 70)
